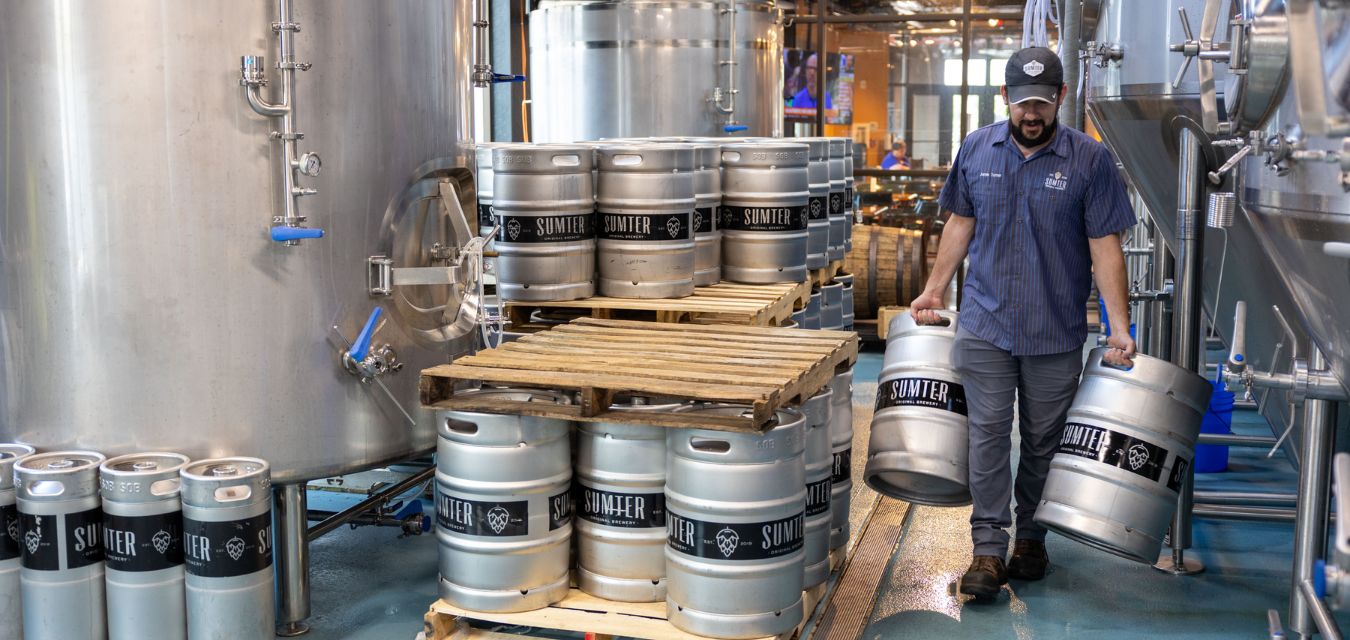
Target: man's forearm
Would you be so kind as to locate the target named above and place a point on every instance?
(956, 235)
(1108, 268)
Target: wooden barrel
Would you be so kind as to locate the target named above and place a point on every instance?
(889, 267)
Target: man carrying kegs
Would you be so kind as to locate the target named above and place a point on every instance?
(1038, 209)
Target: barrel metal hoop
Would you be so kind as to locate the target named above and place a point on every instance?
(872, 301)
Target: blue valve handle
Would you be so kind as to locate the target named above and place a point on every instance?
(733, 128)
(506, 77)
(361, 346)
(286, 234)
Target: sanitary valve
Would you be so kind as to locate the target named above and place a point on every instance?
(368, 362)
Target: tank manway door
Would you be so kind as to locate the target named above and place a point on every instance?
(425, 272)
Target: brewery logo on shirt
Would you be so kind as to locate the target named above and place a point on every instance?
(1057, 181)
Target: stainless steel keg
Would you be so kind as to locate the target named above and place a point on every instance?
(227, 548)
(735, 527)
(846, 297)
(812, 318)
(765, 196)
(61, 530)
(832, 307)
(544, 200)
(920, 439)
(644, 224)
(1125, 451)
(483, 184)
(143, 546)
(11, 613)
(503, 506)
(839, 222)
(708, 194)
(818, 206)
(819, 464)
(621, 506)
(841, 446)
(848, 198)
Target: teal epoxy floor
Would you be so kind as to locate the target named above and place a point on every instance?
(369, 584)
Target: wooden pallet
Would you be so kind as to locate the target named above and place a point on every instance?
(825, 275)
(765, 368)
(583, 613)
(726, 302)
(884, 317)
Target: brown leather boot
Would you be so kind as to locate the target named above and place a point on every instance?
(1029, 560)
(984, 577)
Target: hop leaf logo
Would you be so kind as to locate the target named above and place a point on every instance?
(673, 226)
(727, 541)
(815, 208)
(727, 216)
(835, 202)
(1138, 456)
(497, 518)
(235, 547)
(14, 530)
(161, 541)
(513, 229)
(698, 219)
(31, 540)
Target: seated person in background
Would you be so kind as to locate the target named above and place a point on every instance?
(896, 159)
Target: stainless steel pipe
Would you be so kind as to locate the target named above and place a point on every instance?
(1314, 498)
(291, 514)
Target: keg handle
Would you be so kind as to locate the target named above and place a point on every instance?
(946, 318)
(46, 488)
(166, 487)
(709, 445)
(233, 493)
(1111, 365)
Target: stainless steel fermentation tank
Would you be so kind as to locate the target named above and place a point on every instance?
(655, 68)
(143, 301)
(1140, 114)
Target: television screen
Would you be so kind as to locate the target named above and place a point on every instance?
(799, 87)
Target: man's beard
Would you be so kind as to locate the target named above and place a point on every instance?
(1047, 132)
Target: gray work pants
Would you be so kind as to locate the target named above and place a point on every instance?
(1044, 387)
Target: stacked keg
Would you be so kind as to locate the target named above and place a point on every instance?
(61, 580)
(819, 463)
(765, 199)
(646, 201)
(1124, 454)
(849, 211)
(920, 433)
(11, 544)
(708, 196)
(841, 450)
(621, 506)
(503, 506)
(143, 545)
(543, 196)
(839, 223)
(735, 527)
(818, 205)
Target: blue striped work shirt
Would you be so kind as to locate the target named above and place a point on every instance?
(1029, 274)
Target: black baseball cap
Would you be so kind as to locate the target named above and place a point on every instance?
(1034, 73)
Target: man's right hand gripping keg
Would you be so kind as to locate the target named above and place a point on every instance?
(924, 307)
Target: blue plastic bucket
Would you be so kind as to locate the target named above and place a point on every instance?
(1212, 458)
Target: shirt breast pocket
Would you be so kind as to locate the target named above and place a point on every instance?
(1059, 210)
(988, 196)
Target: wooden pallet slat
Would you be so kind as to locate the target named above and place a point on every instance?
(747, 304)
(763, 368)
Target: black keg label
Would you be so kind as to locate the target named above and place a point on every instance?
(836, 204)
(818, 208)
(705, 220)
(1115, 449)
(143, 543)
(560, 510)
(922, 392)
(622, 510)
(818, 497)
(735, 218)
(9, 532)
(848, 199)
(489, 519)
(485, 216)
(228, 549)
(43, 537)
(644, 227)
(1178, 474)
(734, 541)
(528, 229)
(843, 466)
